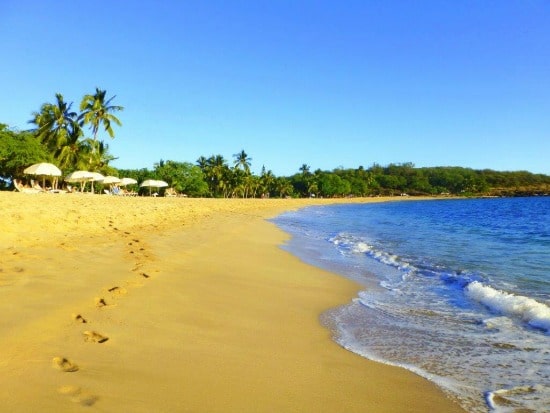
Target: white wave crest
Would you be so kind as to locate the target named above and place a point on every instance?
(533, 397)
(362, 247)
(530, 311)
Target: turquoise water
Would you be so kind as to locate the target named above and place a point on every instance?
(457, 291)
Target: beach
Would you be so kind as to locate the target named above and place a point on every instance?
(114, 304)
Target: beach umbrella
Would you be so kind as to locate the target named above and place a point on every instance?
(96, 176)
(43, 169)
(127, 181)
(79, 176)
(148, 182)
(110, 180)
(153, 183)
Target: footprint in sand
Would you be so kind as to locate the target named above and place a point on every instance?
(137, 267)
(94, 337)
(100, 302)
(78, 395)
(78, 318)
(117, 292)
(64, 364)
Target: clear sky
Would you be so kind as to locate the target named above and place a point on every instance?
(326, 83)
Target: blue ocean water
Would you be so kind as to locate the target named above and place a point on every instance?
(457, 291)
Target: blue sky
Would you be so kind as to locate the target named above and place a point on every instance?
(326, 83)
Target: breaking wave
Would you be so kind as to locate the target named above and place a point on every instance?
(527, 309)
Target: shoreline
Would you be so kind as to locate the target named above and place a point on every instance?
(202, 311)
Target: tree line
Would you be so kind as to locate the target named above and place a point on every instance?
(59, 136)
(218, 177)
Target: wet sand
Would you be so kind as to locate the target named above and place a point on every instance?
(114, 304)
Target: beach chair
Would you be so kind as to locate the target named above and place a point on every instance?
(36, 185)
(21, 188)
(170, 192)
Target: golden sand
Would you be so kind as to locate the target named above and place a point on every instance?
(118, 304)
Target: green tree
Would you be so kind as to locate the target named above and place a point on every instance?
(56, 123)
(98, 155)
(97, 111)
(267, 183)
(184, 177)
(304, 182)
(359, 179)
(69, 155)
(18, 150)
(284, 187)
(305, 169)
(217, 175)
(391, 184)
(202, 162)
(331, 185)
(242, 161)
(242, 182)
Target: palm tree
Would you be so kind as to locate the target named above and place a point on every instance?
(267, 181)
(202, 162)
(304, 169)
(96, 111)
(217, 175)
(55, 123)
(70, 154)
(102, 157)
(284, 186)
(242, 160)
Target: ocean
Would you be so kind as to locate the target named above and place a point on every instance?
(457, 291)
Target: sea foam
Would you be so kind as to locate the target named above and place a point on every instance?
(532, 312)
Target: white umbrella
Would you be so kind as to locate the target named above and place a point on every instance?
(96, 176)
(110, 180)
(127, 181)
(153, 183)
(79, 176)
(43, 169)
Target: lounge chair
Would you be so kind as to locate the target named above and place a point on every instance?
(21, 188)
(36, 185)
(170, 192)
